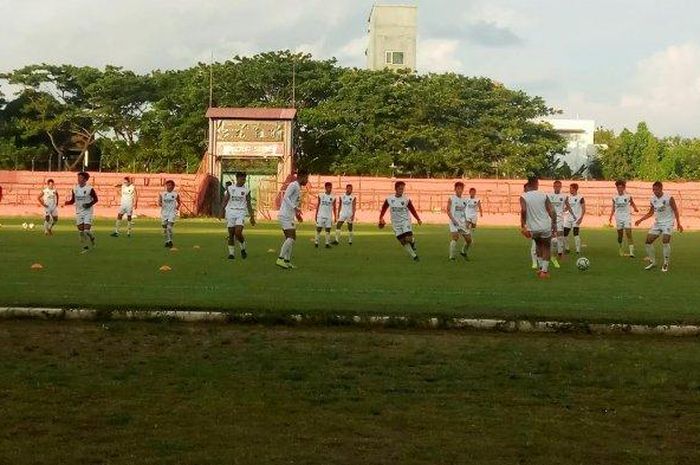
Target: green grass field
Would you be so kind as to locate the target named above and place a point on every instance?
(125, 393)
(372, 276)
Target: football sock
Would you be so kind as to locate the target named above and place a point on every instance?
(667, 252)
(651, 253)
(631, 249)
(337, 234)
(83, 237)
(545, 266)
(169, 232)
(453, 247)
(577, 241)
(117, 225)
(243, 245)
(90, 235)
(286, 250)
(318, 237)
(328, 237)
(232, 250)
(129, 226)
(47, 226)
(350, 236)
(410, 250)
(560, 246)
(533, 253)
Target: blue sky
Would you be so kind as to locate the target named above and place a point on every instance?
(615, 61)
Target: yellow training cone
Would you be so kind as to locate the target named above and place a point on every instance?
(173, 249)
(37, 266)
(270, 250)
(165, 268)
(195, 247)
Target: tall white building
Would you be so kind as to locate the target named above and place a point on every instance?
(392, 37)
(578, 133)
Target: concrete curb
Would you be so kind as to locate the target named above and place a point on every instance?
(479, 324)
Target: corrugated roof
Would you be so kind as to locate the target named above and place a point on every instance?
(252, 113)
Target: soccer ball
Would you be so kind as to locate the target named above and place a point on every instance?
(31, 226)
(25, 226)
(583, 263)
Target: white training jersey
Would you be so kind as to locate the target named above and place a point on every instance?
(169, 203)
(472, 207)
(346, 202)
(458, 208)
(237, 199)
(536, 208)
(82, 196)
(622, 205)
(663, 210)
(398, 207)
(325, 205)
(128, 195)
(49, 198)
(291, 200)
(576, 205)
(558, 202)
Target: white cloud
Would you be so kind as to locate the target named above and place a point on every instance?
(352, 53)
(438, 55)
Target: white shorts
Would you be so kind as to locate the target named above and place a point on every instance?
(287, 223)
(83, 217)
(325, 223)
(169, 218)
(234, 219)
(661, 229)
(345, 218)
(623, 224)
(51, 211)
(542, 234)
(461, 228)
(570, 223)
(401, 229)
(127, 210)
(472, 220)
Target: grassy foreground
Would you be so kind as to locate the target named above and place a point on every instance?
(175, 394)
(372, 276)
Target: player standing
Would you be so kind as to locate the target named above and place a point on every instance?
(664, 207)
(289, 211)
(128, 203)
(576, 207)
(474, 210)
(237, 203)
(538, 221)
(169, 203)
(401, 210)
(346, 214)
(325, 214)
(459, 224)
(621, 204)
(49, 200)
(558, 201)
(84, 198)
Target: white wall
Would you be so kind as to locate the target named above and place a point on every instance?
(392, 28)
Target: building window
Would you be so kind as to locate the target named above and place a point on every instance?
(394, 58)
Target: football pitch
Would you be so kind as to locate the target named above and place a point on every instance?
(373, 276)
(153, 393)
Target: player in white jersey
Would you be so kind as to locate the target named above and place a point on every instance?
(325, 214)
(576, 210)
(84, 197)
(664, 207)
(538, 221)
(474, 210)
(237, 204)
(401, 208)
(459, 224)
(558, 201)
(128, 202)
(346, 214)
(290, 210)
(169, 203)
(48, 198)
(622, 205)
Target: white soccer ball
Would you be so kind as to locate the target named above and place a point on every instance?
(25, 226)
(31, 226)
(583, 263)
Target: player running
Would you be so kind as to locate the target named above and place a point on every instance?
(325, 214)
(474, 210)
(401, 210)
(346, 214)
(558, 201)
(169, 203)
(48, 198)
(664, 207)
(576, 210)
(459, 224)
(128, 203)
(84, 197)
(538, 221)
(621, 204)
(237, 203)
(289, 211)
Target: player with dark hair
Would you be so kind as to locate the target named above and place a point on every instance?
(346, 214)
(237, 204)
(84, 197)
(169, 203)
(459, 223)
(48, 198)
(538, 221)
(127, 204)
(401, 208)
(290, 210)
(622, 203)
(576, 208)
(325, 214)
(664, 207)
